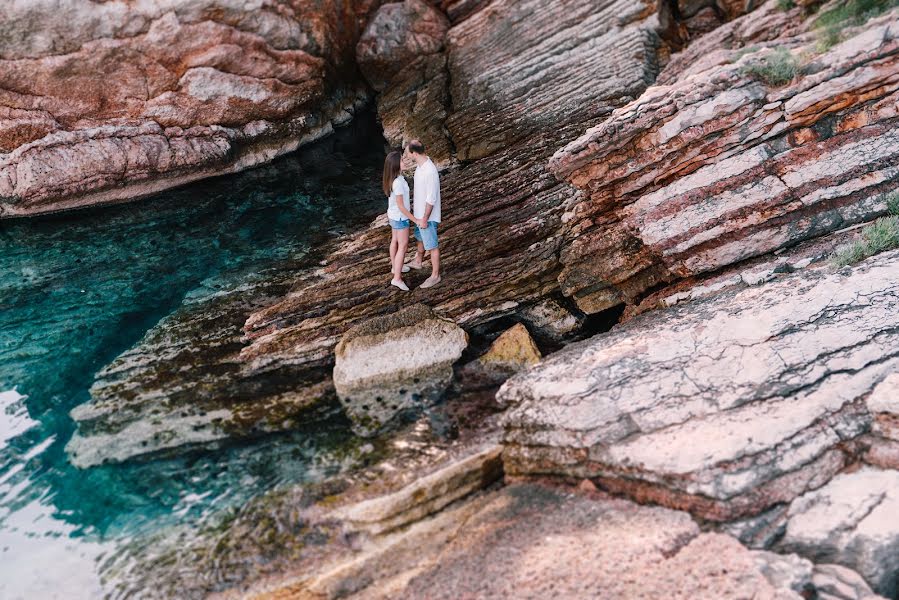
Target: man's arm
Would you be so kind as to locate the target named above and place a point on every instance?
(431, 195)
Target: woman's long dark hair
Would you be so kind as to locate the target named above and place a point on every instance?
(391, 170)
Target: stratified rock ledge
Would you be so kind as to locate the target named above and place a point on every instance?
(723, 408)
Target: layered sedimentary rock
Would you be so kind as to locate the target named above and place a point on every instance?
(526, 77)
(103, 102)
(691, 179)
(182, 385)
(716, 167)
(725, 407)
(537, 540)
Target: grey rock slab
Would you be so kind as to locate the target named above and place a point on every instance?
(852, 521)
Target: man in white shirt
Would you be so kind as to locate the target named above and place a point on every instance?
(426, 209)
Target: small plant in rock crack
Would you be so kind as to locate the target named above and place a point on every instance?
(879, 236)
(786, 5)
(892, 202)
(775, 68)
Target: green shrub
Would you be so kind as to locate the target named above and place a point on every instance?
(848, 13)
(785, 5)
(776, 68)
(892, 201)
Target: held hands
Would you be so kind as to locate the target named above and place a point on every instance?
(422, 223)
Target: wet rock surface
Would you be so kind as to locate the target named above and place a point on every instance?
(109, 101)
(394, 363)
(771, 379)
(183, 384)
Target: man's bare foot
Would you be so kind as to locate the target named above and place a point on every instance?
(430, 282)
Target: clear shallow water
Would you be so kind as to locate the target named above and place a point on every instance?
(78, 289)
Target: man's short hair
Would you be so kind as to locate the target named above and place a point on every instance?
(416, 147)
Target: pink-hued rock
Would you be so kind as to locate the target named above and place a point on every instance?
(104, 102)
(716, 167)
(724, 407)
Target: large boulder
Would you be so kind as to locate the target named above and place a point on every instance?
(108, 101)
(851, 521)
(513, 351)
(725, 407)
(392, 363)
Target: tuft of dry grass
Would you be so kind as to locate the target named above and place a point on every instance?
(833, 19)
(775, 68)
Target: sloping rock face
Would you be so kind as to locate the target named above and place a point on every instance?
(395, 362)
(525, 78)
(692, 179)
(724, 408)
(536, 541)
(108, 101)
(716, 167)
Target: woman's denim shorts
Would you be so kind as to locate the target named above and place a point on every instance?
(401, 224)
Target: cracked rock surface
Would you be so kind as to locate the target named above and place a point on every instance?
(724, 408)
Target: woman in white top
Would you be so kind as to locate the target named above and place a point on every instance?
(398, 214)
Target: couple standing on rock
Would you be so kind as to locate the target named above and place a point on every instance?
(425, 214)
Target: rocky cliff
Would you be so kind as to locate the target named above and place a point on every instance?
(109, 101)
(598, 155)
(706, 170)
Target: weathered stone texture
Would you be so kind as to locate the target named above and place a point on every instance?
(522, 71)
(401, 54)
(393, 363)
(109, 101)
(716, 167)
(851, 521)
(724, 408)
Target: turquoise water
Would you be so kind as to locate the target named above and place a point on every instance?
(78, 289)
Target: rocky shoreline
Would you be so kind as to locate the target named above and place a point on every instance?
(682, 170)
